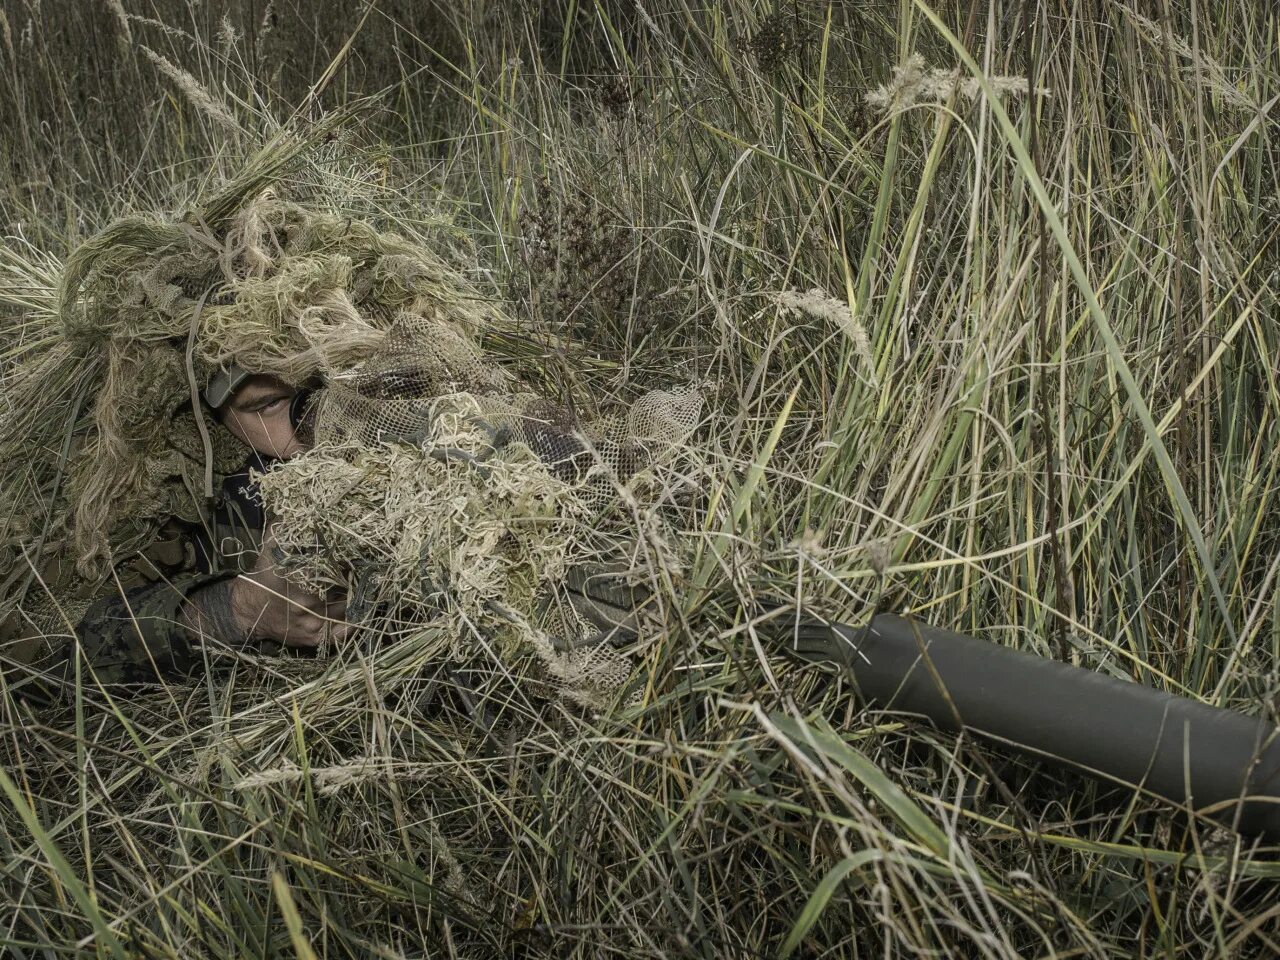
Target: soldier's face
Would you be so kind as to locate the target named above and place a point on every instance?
(259, 415)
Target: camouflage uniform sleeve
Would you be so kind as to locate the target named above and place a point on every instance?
(138, 635)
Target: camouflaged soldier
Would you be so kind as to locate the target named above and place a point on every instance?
(132, 546)
(149, 631)
(131, 541)
(212, 583)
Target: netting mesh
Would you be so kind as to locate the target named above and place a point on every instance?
(427, 376)
(440, 486)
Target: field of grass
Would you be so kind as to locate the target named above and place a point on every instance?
(983, 300)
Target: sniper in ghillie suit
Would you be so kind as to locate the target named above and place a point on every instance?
(546, 479)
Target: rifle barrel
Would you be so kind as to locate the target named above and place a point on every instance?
(1214, 761)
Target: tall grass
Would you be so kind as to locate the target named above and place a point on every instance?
(1034, 397)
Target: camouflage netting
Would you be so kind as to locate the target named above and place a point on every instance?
(441, 484)
(285, 291)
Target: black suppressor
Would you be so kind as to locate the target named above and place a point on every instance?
(1215, 762)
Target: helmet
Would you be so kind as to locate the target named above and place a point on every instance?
(223, 384)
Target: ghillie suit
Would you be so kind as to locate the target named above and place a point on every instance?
(497, 550)
(105, 442)
(441, 486)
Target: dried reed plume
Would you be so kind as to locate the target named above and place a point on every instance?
(915, 82)
(125, 37)
(1200, 67)
(820, 305)
(199, 97)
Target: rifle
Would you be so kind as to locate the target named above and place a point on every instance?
(1206, 760)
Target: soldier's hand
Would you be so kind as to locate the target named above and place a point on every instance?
(270, 607)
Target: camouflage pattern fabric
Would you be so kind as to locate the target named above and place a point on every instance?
(137, 636)
(134, 633)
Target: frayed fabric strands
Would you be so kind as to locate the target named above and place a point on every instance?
(103, 443)
(442, 491)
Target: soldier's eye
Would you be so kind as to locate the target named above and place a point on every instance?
(270, 404)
